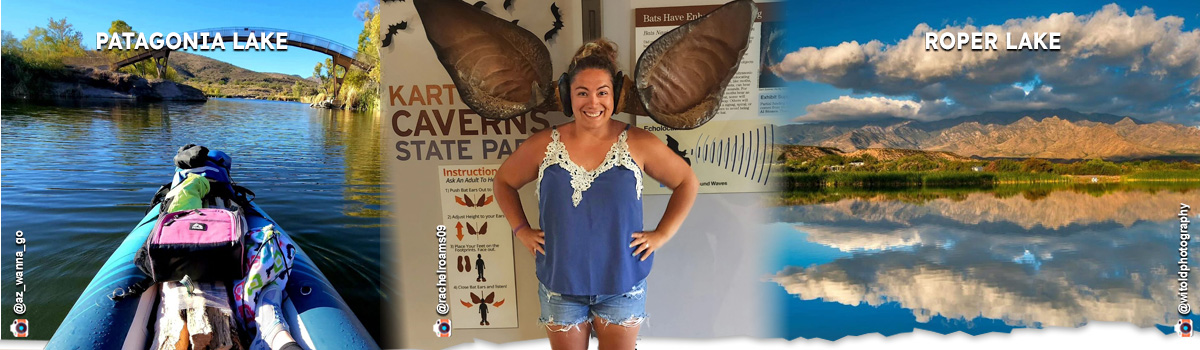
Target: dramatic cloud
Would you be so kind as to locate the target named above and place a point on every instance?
(1111, 62)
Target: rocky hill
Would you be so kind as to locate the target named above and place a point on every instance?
(1044, 134)
(224, 79)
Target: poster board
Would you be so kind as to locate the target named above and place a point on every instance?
(732, 152)
(438, 155)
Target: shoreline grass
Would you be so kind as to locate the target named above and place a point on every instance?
(953, 179)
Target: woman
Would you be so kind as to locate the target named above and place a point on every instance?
(593, 255)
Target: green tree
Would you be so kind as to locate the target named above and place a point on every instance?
(141, 68)
(10, 42)
(1037, 166)
(360, 88)
(324, 72)
(57, 41)
(1003, 166)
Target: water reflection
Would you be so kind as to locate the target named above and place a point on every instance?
(1062, 258)
(356, 138)
(77, 176)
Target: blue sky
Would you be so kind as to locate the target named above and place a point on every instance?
(821, 24)
(334, 20)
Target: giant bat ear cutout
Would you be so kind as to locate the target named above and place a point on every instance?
(682, 75)
(500, 69)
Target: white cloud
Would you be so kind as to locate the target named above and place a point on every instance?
(851, 239)
(850, 108)
(1110, 62)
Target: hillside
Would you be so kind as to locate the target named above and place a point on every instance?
(223, 79)
(807, 153)
(216, 78)
(1043, 134)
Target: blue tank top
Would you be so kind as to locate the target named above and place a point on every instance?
(588, 218)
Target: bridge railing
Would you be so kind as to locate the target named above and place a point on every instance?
(292, 36)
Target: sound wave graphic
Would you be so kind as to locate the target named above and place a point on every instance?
(747, 154)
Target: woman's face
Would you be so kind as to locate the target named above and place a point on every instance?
(592, 97)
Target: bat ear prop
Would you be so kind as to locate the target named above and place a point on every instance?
(500, 69)
(681, 76)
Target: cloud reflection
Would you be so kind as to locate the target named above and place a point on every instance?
(1072, 265)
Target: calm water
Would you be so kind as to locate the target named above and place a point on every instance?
(76, 179)
(976, 262)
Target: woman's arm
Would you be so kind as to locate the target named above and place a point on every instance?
(669, 169)
(519, 169)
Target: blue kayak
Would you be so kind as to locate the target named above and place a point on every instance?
(104, 318)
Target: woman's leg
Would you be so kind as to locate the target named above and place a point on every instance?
(573, 337)
(616, 336)
(566, 319)
(618, 318)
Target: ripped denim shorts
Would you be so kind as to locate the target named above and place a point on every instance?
(627, 309)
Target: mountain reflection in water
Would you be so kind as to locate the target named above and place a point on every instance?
(1062, 259)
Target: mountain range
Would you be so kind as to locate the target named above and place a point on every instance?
(1055, 134)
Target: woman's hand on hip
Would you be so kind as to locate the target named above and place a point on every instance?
(533, 240)
(647, 242)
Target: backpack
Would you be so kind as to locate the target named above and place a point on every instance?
(205, 244)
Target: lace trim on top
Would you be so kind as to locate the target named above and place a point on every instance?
(581, 180)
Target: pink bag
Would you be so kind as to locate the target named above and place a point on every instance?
(205, 244)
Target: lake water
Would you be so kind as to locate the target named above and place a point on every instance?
(975, 261)
(77, 177)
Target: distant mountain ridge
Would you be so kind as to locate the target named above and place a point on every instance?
(1058, 133)
(191, 66)
(806, 153)
(223, 78)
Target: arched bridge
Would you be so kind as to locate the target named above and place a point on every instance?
(343, 56)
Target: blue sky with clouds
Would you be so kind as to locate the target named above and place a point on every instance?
(334, 20)
(849, 60)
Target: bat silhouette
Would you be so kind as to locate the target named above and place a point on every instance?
(392, 30)
(507, 4)
(482, 229)
(480, 4)
(515, 21)
(674, 145)
(558, 23)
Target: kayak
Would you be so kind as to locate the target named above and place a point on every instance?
(104, 317)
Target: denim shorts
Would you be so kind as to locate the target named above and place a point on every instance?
(627, 309)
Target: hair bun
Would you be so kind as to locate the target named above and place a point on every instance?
(601, 48)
